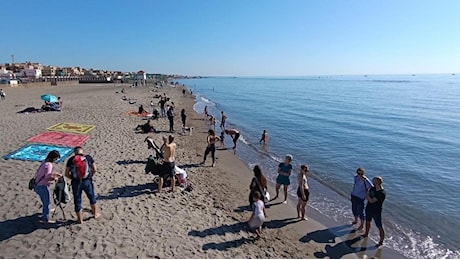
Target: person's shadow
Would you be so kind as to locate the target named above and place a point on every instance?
(220, 230)
(327, 235)
(223, 246)
(25, 225)
(129, 191)
(279, 223)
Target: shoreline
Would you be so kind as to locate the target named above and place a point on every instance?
(205, 223)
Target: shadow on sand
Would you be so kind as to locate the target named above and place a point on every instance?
(221, 230)
(223, 246)
(126, 162)
(341, 249)
(26, 225)
(129, 191)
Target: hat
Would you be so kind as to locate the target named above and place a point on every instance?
(290, 156)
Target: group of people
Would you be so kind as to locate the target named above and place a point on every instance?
(363, 190)
(80, 169)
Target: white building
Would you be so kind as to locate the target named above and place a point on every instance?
(140, 78)
(30, 73)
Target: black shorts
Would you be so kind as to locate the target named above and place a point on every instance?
(236, 137)
(299, 194)
(168, 169)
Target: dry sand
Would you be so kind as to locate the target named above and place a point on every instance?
(208, 222)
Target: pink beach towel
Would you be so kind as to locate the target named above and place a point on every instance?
(59, 138)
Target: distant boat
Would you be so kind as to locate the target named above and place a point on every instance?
(453, 74)
(413, 75)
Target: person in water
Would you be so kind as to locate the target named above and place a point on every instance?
(264, 137)
(375, 197)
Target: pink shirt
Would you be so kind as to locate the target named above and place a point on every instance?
(43, 176)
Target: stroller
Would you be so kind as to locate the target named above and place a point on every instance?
(155, 164)
(61, 195)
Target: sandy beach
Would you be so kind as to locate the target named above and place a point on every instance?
(136, 222)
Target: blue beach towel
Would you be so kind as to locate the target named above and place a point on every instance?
(38, 152)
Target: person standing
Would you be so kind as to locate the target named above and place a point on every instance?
(375, 197)
(2, 94)
(206, 112)
(222, 120)
(264, 137)
(258, 184)
(211, 141)
(43, 178)
(235, 134)
(169, 161)
(303, 193)
(183, 117)
(170, 114)
(284, 172)
(162, 103)
(80, 168)
(360, 187)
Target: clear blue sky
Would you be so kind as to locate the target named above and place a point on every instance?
(237, 37)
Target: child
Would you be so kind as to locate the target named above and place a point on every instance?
(258, 214)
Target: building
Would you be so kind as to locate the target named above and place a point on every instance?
(140, 78)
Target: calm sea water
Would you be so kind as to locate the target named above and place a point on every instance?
(404, 128)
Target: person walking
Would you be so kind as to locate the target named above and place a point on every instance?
(169, 161)
(264, 137)
(170, 114)
(2, 94)
(206, 112)
(303, 192)
(258, 184)
(43, 179)
(284, 172)
(80, 168)
(361, 185)
(375, 197)
(211, 141)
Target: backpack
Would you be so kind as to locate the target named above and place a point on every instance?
(61, 192)
(80, 167)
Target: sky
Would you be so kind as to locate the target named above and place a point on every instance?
(237, 37)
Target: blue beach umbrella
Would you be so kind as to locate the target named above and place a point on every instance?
(49, 98)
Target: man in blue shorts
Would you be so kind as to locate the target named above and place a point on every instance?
(80, 168)
(375, 197)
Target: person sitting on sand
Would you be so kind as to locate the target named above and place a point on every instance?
(147, 127)
(155, 114)
(123, 90)
(258, 214)
(142, 110)
(284, 172)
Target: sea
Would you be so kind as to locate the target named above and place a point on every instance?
(405, 128)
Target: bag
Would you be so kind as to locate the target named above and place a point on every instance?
(32, 184)
(267, 196)
(32, 181)
(61, 192)
(80, 168)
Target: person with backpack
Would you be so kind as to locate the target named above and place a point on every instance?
(81, 168)
(43, 178)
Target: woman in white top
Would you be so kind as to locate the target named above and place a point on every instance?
(258, 214)
(302, 192)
